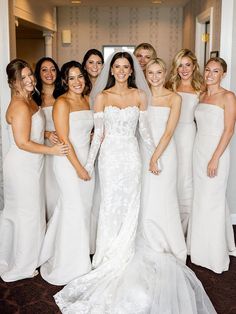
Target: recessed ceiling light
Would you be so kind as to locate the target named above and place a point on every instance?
(156, 1)
(76, 1)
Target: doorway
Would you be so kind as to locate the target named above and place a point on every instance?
(203, 40)
(30, 43)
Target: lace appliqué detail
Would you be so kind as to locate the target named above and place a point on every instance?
(96, 142)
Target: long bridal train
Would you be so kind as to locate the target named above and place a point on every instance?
(131, 276)
(149, 282)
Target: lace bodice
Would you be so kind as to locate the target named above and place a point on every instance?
(121, 122)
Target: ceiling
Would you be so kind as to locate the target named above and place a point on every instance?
(125, 3)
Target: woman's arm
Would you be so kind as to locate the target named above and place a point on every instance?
(169, 131)
(61, 112)
(21, 127)
(229, 122)
(144, 129)
(98, 132)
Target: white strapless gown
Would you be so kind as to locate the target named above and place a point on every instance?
(22, 223)
(184, 137)
(159, 202)
(51, 186)
(65, 253)
(210, 236)
(128, 280)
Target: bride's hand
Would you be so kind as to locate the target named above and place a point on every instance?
(153, 168)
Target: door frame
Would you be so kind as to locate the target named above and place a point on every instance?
(201, 19)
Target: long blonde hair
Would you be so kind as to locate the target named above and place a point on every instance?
(174, 78)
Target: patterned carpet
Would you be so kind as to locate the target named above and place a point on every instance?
(35, 296)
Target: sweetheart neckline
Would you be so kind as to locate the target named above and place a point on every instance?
(116, 107)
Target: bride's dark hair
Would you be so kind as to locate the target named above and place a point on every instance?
(131, 79)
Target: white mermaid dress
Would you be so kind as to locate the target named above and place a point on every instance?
(125, 280)
(185, 133)
(210, 236)
(51, 187)
(159, 202)
(65, 253)
(22, 223)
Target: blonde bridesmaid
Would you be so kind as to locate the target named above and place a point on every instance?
(186, 80)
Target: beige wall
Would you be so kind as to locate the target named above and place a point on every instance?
(36, 12)
(97, 26)
(191, 10)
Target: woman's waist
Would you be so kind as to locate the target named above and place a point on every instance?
(186, 120)
(22, 155)
(120, 135)
(209, 133)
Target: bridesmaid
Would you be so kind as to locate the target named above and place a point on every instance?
(65, 251)
(49, 88)
(22, 224)
(210, 235)
(144, 52)
(92, 63)
(160, 218)
(185, 78)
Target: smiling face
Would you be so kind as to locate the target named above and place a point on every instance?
(48, 73)
(93, 66)
(186, 68)
(121, 69)
(213, 73)
(155, 75)
(27, 82)
(76, 82)
(143, 56)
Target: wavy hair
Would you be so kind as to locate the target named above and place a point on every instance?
(57, 84)
(174, 79)
(65, 73)
(14, 70)
(88, 54)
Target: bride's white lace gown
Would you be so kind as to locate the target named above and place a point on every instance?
(125, 279)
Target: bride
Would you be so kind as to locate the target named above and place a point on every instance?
(129, 275)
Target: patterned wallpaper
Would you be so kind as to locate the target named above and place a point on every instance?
(98, 26)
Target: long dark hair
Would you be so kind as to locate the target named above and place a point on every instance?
(88, 54)
(65, 73)
(131, 80)
(58, 85)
